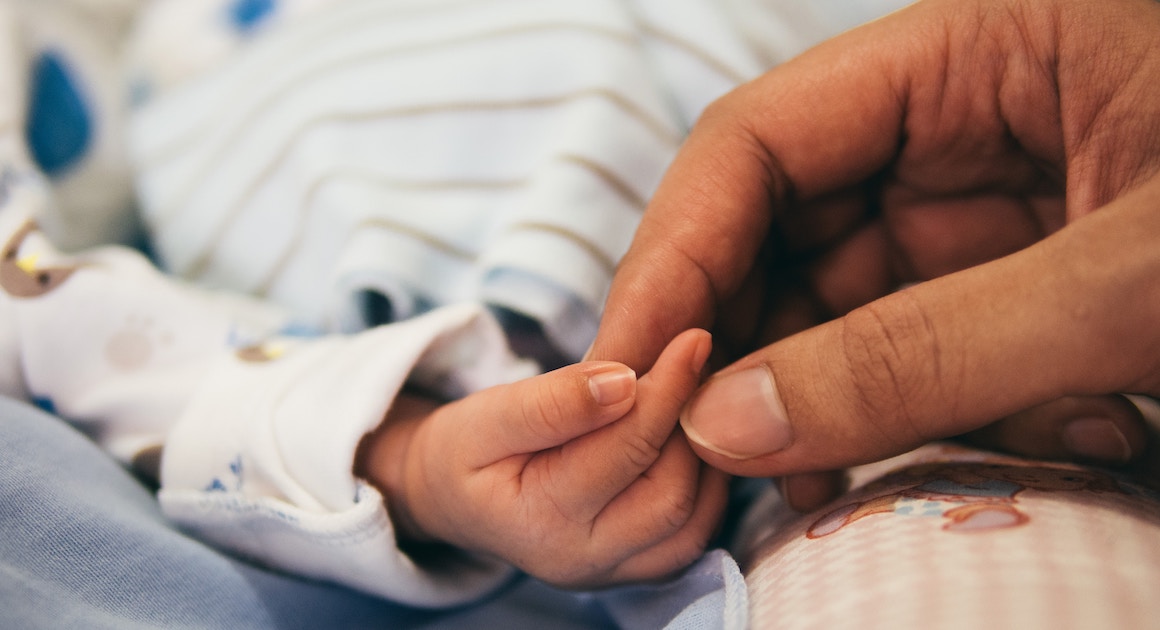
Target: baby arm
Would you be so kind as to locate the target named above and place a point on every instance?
(578, 476)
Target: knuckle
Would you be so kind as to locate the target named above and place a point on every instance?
(674, 507)
(895, 364)
(544, 413)
(639, 451)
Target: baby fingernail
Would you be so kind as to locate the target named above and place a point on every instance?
(1096, 438)
(739, 415)
(612, 385)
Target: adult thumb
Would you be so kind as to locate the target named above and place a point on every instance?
(1071, 315)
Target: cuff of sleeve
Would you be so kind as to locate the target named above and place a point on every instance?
(260, 463)
(354, 547)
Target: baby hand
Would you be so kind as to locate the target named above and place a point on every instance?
(578, 476)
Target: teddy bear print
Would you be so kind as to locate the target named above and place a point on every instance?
(967, 496)
(135, 344)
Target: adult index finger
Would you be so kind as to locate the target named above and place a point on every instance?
(826, 120)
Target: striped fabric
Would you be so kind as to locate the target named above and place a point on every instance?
(429, 152)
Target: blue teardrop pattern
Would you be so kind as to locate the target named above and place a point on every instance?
(59, 130)
(246, 15)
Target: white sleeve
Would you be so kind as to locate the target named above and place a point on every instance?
(257, 453)
(260, 462)
(106, 341)
(259, 436)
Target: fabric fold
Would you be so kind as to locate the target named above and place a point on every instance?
(260, 462)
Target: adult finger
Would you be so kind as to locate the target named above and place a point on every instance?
(1068, 316)
(1107, 430)
(808, 491)
(712, 212)
(1100, 429)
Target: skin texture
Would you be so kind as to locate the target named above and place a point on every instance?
(579, 485)
(999, 159)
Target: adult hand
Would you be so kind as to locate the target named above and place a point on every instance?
(1003, 154)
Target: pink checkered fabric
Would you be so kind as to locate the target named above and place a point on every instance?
(952, 538)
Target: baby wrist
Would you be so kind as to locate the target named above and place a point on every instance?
(382, 460)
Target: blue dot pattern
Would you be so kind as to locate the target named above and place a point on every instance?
(246, 15)
(59, 128)
(46, 404)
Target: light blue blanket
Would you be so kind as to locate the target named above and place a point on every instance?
(84, 545)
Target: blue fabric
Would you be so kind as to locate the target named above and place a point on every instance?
(59, 128)
(708, 596)
(85, 545)
(726, 608)
(246, 15)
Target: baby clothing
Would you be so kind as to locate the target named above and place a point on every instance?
(332, 156)
(259, 428)
(397, 171)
